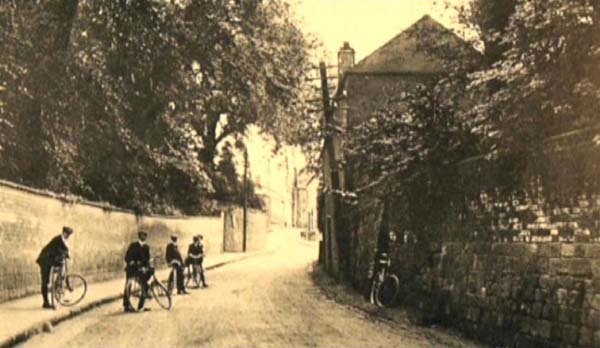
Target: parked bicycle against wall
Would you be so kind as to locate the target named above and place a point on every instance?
(385, 286)
(66, 288)
(156, 290)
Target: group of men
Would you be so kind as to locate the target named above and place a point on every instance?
(195, 256)
(137, 261)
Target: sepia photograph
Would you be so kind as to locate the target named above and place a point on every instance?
(300, 173)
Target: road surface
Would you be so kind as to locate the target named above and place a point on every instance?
(264, 301)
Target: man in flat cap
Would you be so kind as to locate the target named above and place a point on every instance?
(175, 260)
(53, 254)
(137, 260)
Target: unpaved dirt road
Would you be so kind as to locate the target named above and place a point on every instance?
(264, 301)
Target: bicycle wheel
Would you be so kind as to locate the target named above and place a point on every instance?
(387, 291)
(72, 289)
(193, 279)
(54, 290)
(171, 281)
(372, 292)
(133, 292)
(160, 294)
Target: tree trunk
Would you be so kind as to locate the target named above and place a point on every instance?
(209, 137)
(66, 12)
(63, 12)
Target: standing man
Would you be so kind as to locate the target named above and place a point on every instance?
(137, 260)
(196, 256)
(53, 254)
(174, 259)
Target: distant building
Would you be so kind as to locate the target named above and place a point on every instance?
(304, 199)
(282, 181)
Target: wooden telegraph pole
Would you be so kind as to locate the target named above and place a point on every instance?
(331, 178)
(245, 227)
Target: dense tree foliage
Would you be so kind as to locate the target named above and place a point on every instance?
(229, 185)
(128, 101)
(407, 153)
(539, 77)
(547, 77)
(489, 19)
(39, 87)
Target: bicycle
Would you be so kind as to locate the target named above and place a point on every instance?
(385, 286)
(68, 289)
(172, 280)
(157, 290)
(193, 276)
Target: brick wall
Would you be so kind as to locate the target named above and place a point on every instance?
(29, 219)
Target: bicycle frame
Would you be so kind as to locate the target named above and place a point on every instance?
(60, 283)
(193, 271)
(58, 273)
(384, 264)
(60, 269)
(194, 268)
(379, 278)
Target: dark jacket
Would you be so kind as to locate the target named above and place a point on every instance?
(53, 252)
(172, 253)
(138, 253)
(196, 251)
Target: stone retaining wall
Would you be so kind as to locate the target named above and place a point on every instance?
(513, 259)
(523, 294)
(523, 272)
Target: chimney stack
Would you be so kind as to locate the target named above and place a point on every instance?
(345, 59)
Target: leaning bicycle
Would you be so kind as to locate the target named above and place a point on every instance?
(156, 290)
(385, 286)
(67, 289)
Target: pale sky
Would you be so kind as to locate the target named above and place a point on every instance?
(367, 24)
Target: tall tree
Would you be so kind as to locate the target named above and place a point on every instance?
(128, 101)
(489, 19)
(253, 65)
(546, 80)
(36, 70)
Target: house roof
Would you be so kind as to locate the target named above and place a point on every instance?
(404, 54)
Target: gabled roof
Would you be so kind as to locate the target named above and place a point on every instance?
(403, 53)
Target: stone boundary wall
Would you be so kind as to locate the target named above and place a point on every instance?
(517, 273)
(515, 260)
(523, 272)
(29, 218)
(507, 294)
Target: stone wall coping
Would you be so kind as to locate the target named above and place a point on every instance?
(65, 198)
(73, 199)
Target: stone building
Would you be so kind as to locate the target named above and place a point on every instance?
(410, 58)
(399, 64)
